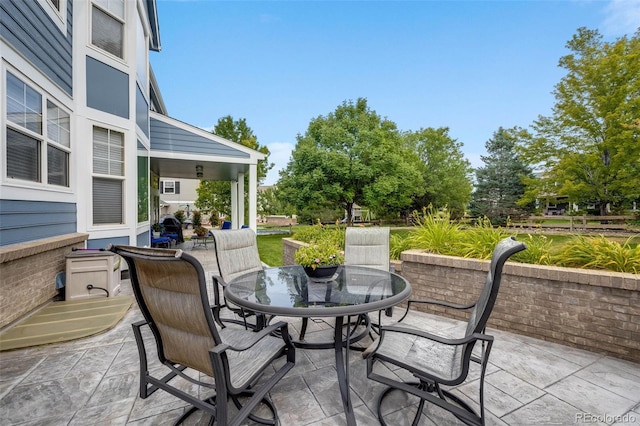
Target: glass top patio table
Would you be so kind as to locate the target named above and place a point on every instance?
(288, 291)
(351, 291)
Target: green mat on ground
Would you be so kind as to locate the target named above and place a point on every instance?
(68, 320)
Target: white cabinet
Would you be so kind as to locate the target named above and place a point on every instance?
(92, 273)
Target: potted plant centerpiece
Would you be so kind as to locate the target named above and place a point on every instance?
(320, 259)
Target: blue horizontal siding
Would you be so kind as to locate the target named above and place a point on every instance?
(22, 221)
(31, 32)
(99, 243)
(165, 137)
(144, 239)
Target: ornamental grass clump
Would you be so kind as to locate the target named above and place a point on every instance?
(435, 232)
(599, 253)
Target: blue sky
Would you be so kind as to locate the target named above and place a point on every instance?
(471, 66)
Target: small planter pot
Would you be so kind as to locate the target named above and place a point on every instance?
(321, 272)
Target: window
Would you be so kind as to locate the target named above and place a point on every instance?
(107, 26)
(58, 132)
(170, 187)
(23, 156)
(26, 136)
(24, 105)
(108, 176)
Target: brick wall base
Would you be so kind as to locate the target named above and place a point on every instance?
(593, 310)
(28, 273)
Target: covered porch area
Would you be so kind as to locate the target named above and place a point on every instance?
(182, 151)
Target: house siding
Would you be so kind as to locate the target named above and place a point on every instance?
(107, 88)
(100, 243)
(22, 220)
(165, 137)
(28, 28)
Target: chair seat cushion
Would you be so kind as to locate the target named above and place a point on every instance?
(419, 354)
(243, 365)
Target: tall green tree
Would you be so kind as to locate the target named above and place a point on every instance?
(589, 148)
(499, 184)
(445, 170)
(351, 155)
(215, 196)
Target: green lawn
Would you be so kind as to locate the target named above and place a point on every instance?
(270, 248)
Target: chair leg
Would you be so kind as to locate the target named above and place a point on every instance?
(303, 329)
(267, 401)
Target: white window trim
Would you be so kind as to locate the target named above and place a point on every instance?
(59, 17)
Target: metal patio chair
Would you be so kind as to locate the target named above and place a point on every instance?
(171, 291)
(236, 254)
(369, 247)
(436, 361)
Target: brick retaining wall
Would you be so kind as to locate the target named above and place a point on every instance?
(28, 273)
(593, 310)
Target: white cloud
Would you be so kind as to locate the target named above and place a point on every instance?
(280, 155)
(622, 17)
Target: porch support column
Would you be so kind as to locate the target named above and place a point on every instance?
(234, 203)
(240, 201)
(253, 197)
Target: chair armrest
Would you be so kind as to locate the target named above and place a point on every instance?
(435, 302)
(442, 303)
(435, 337)
(140, 323)
(281, 327)
(219, 279)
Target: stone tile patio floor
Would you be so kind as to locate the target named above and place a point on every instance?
(94, 381)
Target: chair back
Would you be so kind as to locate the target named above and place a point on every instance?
(170, 288)
(367, 247)
(236, 252)
(487, 299)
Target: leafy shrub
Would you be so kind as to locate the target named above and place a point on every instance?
(180, 215)
(197, 218)
(214, 218)
(319, 233)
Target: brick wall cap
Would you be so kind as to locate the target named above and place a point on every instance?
(30, 248)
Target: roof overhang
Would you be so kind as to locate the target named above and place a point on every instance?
(178, 149)
(154, 38)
